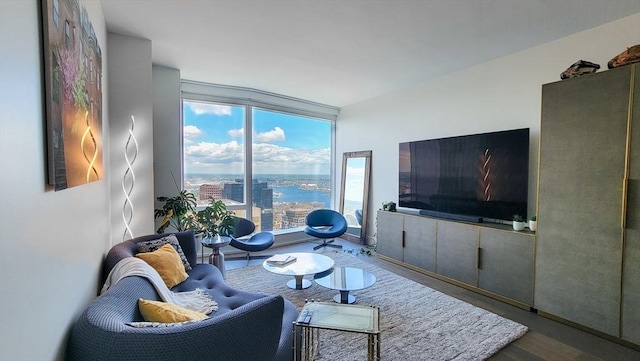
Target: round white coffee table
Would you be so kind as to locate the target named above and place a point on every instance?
(345, 279)
(305, 264)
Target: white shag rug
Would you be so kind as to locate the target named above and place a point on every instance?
(417, 322)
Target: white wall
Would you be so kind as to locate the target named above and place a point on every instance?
(167, 131)
(130, 93)
(498, 95)
(52, 243)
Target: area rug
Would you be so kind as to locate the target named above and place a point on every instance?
(417, 322)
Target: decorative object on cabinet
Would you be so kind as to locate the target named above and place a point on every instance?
(579, 68)
(629, 56)
(533, 223)
(518, 222)
(389, 206)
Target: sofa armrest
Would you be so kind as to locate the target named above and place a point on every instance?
(249, 332)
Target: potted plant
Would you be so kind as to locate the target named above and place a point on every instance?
(214, 220)
(176, 211)
(533, 223)
(518, 222)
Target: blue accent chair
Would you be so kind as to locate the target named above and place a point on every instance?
(359, 216)
(325, 224)
(244, 239)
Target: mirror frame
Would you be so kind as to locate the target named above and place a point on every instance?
(365, 193)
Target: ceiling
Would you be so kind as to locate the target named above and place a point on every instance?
(340, 52)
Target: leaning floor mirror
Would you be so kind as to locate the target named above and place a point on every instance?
(354, 194)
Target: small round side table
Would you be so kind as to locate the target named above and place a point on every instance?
(217, 257)
(345, 279)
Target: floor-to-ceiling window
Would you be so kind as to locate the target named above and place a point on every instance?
(264, 160)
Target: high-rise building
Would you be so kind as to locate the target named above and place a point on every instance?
(295, 218)
(210, 191)
(233, 191)
(261, 197)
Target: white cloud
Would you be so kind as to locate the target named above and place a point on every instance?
(275, 135)
(191, 132)
(271, 159)
(236, 133)
(207, 108)
(213, 153)
(227, 158)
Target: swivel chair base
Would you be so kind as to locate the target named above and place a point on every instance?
(327, 244)
(249, 257)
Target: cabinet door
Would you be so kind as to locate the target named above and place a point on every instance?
(420, 242)
(631, 270)
(582, 155)
(389, 234)
(506, 264)
(456, 251)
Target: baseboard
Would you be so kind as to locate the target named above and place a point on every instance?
(606, 336)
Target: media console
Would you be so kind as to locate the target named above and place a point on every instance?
(491, 259)
(452, 216)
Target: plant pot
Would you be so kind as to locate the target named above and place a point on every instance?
(533, 225)
(518, 226)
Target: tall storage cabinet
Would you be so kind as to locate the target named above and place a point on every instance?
(587, 241)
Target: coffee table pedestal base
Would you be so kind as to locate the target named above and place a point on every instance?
(299, 283)
(344, 297)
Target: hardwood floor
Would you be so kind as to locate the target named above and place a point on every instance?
(546, 340)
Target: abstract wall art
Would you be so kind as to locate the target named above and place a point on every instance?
(73, 95)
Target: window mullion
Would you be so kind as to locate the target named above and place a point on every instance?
(248, 158)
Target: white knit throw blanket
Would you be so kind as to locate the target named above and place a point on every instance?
(197, 300)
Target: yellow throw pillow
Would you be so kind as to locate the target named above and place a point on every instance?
(156, 311)
(167, 262)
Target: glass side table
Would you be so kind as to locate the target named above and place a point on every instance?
(345, 279)
(337, 317)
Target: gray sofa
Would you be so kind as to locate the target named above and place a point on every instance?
(246, 326)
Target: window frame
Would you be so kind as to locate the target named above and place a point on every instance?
(252, 99)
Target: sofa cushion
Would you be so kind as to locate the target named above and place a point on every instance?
(167, 262)
(150, 246)
(157, 311)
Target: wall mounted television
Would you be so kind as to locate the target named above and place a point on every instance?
(477, 178)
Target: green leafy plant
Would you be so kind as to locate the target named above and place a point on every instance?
(517, 218)
(176, 212)
(533, 218)
(215, 219)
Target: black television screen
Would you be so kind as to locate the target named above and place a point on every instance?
(480, 175)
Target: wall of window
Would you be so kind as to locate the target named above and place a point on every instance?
(258, 153)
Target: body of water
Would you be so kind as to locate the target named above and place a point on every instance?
(290, 194)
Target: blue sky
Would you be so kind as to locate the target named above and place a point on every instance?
(283, 144)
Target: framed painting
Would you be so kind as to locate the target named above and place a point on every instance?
(73, 94)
